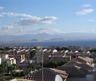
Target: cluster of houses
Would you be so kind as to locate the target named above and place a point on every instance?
(13, 56)
(79, 62)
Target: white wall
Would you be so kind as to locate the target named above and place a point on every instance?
(58, 78)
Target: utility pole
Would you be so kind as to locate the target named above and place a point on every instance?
(42, 66)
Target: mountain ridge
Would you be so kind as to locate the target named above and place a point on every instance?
(48, 37)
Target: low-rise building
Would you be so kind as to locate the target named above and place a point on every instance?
(49, 74)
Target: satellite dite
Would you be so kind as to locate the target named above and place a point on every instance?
(58, 78)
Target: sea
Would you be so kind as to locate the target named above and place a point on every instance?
(81, 43)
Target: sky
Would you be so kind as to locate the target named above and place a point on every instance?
(19, 17)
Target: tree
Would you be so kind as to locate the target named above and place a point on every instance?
(6, 70)
(32, 53)
(54, 64)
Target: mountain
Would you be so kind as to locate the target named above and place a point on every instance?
(48, 37)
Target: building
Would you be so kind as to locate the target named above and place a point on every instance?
(49, 74)
(78, 67)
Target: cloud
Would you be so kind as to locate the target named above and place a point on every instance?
(1, 8)
(14, 14)
(37, 20)
(45, 30)
(48, 20)
(18, 21)
(7, 27)
(25, 19)
(11, 30)
(85, 10)
(28, 19)
(1, 15)
(49, 30)
(27, 22)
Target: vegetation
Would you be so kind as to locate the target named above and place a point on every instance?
(94, 61)
(5, 48)
(32, 53)
(7, 71)
(18, 74)
(54, 64)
